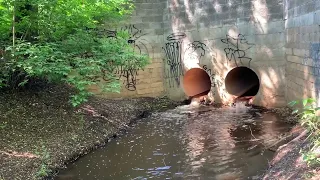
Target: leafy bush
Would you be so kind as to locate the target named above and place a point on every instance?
(48, 20)
(311, 121)
(63, 41)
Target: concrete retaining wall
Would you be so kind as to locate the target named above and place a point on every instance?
(302, 48)
(277, 39)
(221, 35)
(146, 30)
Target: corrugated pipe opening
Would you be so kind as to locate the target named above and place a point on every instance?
(242, 82)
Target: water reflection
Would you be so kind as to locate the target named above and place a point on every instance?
(186, 143)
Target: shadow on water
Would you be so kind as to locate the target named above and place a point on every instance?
(186, 143)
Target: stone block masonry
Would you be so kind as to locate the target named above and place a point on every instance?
(302, 49)
(146, 30)
(278, 40)
(219, 36)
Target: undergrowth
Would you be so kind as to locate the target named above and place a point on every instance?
(67, 42)
(44, 169)
(310, 119)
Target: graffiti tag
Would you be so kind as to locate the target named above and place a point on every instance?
(233, 50)
(128, 72)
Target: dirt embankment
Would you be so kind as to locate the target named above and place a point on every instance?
(40, 131)
(288, 163)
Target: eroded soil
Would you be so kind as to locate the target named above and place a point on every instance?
(40, 130)
(288, 162)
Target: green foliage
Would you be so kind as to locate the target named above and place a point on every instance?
(56, 19)
(44, 156)
(43, 171)
(3, 125)
(78, 62)
(63, 41)
(310, 120)
(311, 158)
(81, 122)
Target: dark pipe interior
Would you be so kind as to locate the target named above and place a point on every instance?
(196, 82)
(242, 81)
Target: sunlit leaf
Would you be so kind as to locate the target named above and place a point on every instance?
(292, 103)
(295, 111)
(24, 82)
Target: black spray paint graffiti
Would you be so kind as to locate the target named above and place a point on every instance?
(130, 75)
(140, 46)
(211, 74)
(196, 46)
(173, 52)
(202, 49)
(136, 39)
(221, 86)
(174, 56)
(128, 72)
(233, 51)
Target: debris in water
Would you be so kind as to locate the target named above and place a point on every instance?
(163, 168)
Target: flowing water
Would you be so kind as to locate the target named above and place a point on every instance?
(186, 143)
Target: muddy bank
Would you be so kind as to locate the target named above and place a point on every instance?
(40, 131)
(288, 162)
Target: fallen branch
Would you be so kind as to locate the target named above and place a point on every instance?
(91, 111)
(252, 133)
(304, 133)
(277, 142)
(16, 154)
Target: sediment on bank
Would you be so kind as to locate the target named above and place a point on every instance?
(40, 131)
(288, 162)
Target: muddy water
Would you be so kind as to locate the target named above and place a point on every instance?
(186, 143)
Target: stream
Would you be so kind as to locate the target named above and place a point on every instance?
(204, 143)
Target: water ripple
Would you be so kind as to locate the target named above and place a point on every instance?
(186, 143)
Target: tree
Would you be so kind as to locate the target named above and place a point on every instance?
(64, 41)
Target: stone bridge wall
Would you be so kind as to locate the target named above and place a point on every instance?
(274, 38)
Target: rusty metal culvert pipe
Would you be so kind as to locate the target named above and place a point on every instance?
(242, 82)
(196, 82)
